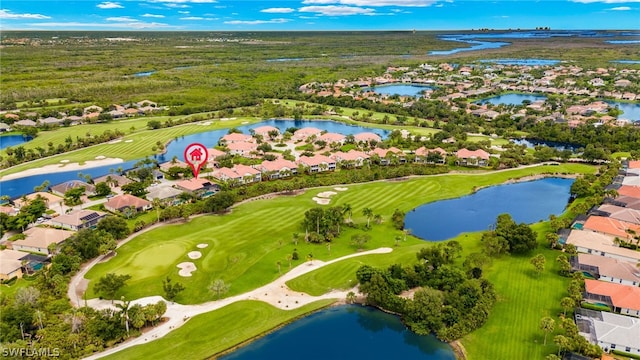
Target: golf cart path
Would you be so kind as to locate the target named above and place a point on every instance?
(276, 293)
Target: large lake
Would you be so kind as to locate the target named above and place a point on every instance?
(630, 111)
(399, 89)
(18, 187)
(12, 140)
(345, 332)
(527, 202)
(511, 99)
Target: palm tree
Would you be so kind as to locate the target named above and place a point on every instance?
(347, 210)
(156, 205)
(368, 213)
(378, 219)
(547, 325)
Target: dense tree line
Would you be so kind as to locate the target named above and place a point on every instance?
(448, 300)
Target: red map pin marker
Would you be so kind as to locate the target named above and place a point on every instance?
(196, 155)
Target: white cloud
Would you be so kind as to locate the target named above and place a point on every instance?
(404, 3)
(121, 19)
(605, 1)
(277, 10)
(7, 14)
(620, 8)
(152, 15)
(257, 22)
(176, 6)
(110, 5)
(333, 10)
(184, 1)
(184, 12)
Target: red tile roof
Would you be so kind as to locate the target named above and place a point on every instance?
(634, 164)
(278, 165)
(466, 154)
(193, 184)
(126, 200)
(315, 160)
(633, 191)
(622, 296)
(610, 226)
(235, 137)
(367, 136)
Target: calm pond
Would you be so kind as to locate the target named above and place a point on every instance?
(630, 111)
(18, 187)
(345, 332)
(399, 89)
(527, 202)
(521, 62)
(12, 140)
(511, 99)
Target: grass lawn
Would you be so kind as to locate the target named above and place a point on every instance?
(245, 245)
(214, 332)
(10, 290)
(139, 145)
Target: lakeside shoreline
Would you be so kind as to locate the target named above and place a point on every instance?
(62, 167)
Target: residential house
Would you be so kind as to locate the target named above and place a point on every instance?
(126, 203)
(165, 166)
(244, 149)
(215, 153)
(61, 189)
(50, 121)
(422, 155)
(78, 220)
(198, 187)
(9, 210)
(92, 109)
(29, 123)
(38, 239)
(609, 331)
(113, 180)
(11, 264)
(627, 201)
(317, 163)
(227, 175)
(265, 130)
(165, 194)
(623, 299)
(621, 213)
(332, 138)
(610, 226)
(4, 127)
(386, 155)
(49, 199)
(367, 137)
(352, 158)
(472, 158)
(305, 133)
(237, 138)
(607, 269)
(249, 174)
(600, 244)
(279, 168)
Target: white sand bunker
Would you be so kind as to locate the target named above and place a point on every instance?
(321, 201)
(327, 194)
(186, 268)
(114, 141)
(128, 141)
(341, 188)
(194, 255)
(202, 246)
(100, 157)
(64, 161)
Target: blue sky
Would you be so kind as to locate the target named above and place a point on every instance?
(317, 15)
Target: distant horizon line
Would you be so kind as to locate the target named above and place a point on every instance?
(302, 30)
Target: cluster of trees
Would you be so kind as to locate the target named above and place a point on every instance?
(508, 237)
(19, 154)
(28, 214)
(448, 300)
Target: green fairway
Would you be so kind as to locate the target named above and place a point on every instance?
(246, 245)
(217, 331)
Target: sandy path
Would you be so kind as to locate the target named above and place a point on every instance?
(275, 293)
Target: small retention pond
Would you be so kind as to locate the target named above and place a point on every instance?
(527, 202)
(12, 140)
(345, 332)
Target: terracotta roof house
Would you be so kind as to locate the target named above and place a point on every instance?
(227, 175)
(600, 244)
(200, 187)
(609, 331)
(78, 219)
(422, 155)
(634, 164)
(621, 213)
(249, 174)
(305, 133)
(279, 168)
(352, 158)
(242, 148)
(12, 116)
(624, 299)
(50, 199)
(633, 191)
(472, 158)
(386, 155)
(611, 226)
(113, 180)
(60, 189)
(165, 166)
(607, 269)
(215, 153)
(367, 137)
(236, 137)
(9, 210)
(332, 138)
(264, 131)
(11, 263)
(125, 202)
(27, 122)
(38, 239)
(317, 163)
